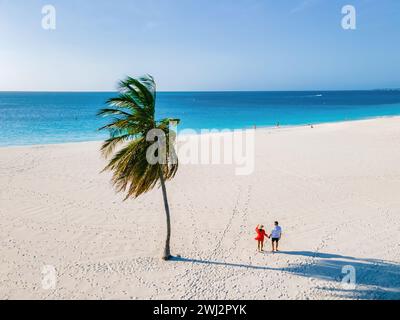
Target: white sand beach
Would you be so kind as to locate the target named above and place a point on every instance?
(335, 190)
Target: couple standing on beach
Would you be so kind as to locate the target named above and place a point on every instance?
(275, 235)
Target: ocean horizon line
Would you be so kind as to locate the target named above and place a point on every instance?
(203, 91)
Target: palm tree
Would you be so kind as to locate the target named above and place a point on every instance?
(133, 118)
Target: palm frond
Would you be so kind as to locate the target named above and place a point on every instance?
(110, 112)
(125, 100)
(110, 144)
(142, 89)
(132, 115)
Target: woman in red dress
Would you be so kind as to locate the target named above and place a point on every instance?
(261, 234)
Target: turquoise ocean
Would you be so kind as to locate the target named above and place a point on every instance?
(29, 118)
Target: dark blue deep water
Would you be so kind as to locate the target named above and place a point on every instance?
(41, 118)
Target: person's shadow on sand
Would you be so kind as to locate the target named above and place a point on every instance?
(374, 279)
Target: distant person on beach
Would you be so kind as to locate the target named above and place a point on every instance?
(261, 234)
(276, 235)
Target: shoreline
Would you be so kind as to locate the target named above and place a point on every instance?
(272, 128)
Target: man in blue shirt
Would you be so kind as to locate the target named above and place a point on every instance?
(276, 235)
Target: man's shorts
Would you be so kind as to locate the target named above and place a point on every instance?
(275, 240)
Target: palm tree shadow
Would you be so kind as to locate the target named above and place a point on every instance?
(374, 278)
(217, 263)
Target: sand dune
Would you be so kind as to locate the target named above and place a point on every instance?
(334, 189)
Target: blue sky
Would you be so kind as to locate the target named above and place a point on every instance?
(200, 44)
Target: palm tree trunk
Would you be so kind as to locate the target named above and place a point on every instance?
(167, 251)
